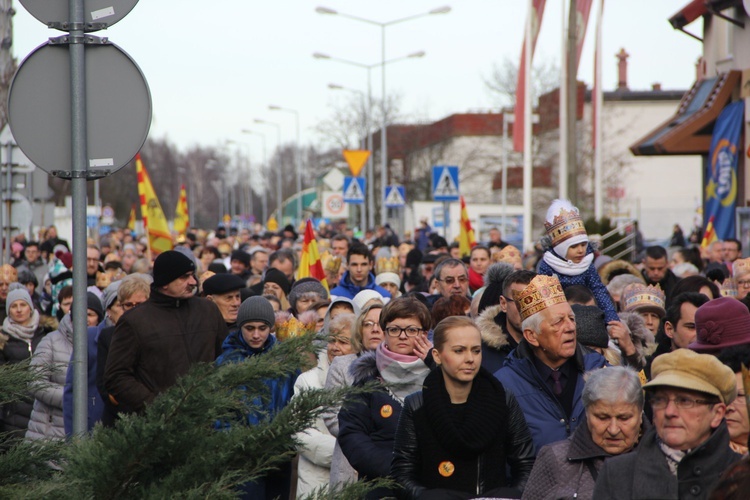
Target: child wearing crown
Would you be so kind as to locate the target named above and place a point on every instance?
(570, 257)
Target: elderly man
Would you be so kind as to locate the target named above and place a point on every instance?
(687, 449)
(170, 332)
(452, 278)
(224, 291)
(545, 371)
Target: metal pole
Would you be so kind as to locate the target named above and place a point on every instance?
(504, 200)
(527, 161)
(370, 181)
(572, 98)
(298, 156)
(79, 150)
(383, 132)
(563, 153)
(8, 202)
(598, 193)
(446, 220)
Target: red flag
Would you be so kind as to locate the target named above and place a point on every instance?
(518, 124)
(583, 9)
(466, 239)
(310, 264)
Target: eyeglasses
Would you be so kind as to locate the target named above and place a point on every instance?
(681, 402)
(743, 283)
(450, 280)
(129, 305)
(370, 325)
(396, 331)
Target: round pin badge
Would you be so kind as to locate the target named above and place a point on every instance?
(386, 411)
(446, 468)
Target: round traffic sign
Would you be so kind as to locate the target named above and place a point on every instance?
(103, 13)
(335, 204)
(118, 107)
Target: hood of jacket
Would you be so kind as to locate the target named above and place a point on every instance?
(643, 339)
(364, 368)
(353, 289)
(235, 347)
(337, 300)
(492, 332)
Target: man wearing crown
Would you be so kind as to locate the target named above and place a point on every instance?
(545, 371)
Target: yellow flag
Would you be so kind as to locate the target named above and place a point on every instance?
(181, 215)
(466, 239)
(131, 219)
(154, 222)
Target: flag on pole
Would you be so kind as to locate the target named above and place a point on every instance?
(131, 219)
(181, 215)
(595, 92)
(518, 124)
(710, 235)
(466, 239)
(583, 9)
(154, 222)
(310, 264)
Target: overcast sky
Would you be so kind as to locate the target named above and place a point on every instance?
(213, 67)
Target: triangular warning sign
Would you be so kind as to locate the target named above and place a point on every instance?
(394, 197)
(356, 158)
(353, 192)
(446, 186)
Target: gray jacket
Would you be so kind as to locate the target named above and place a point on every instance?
(339, 376)
(644, 473)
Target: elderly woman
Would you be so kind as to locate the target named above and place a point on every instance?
(463, 434)
(367, 425)
(317, 443)
(613, 401)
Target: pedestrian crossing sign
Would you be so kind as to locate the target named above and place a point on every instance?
(354, 190)
(395, 196)
(445, 183)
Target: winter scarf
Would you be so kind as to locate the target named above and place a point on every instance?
(22, 332)
(406, 373)
(674, 457)
(567, 267)
(484, 411)
(476, 280)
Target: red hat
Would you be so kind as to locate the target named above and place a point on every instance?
(720, 323)
(65, 257)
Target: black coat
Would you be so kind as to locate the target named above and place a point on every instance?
(14, 417)
(644, 473)
(435, 455)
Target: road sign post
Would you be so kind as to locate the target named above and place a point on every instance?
(445, 188)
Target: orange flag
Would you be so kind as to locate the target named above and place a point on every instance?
(310, 264)
(131, 219)
(181, 215)
(466, 239)
(710, 235)
(154, 222)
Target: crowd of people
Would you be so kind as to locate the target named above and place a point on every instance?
(488, 375)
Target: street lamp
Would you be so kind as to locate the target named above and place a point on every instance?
(278, 171)
(368, 67)
(246, 190)
(383, 26)
(265, 162)
(297, 157)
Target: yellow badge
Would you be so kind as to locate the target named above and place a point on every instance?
(446, 469)
(386, 411)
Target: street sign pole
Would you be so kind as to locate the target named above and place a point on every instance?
(446, 220)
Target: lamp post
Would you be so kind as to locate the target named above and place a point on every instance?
(264, 195)
(246, 190)
(297, 157)
(383, 133)
(368, 67)
(278, 171)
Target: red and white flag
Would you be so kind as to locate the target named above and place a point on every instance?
(518, 124)
(583, 9)
(595, 97)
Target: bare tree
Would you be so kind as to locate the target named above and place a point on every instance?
(503, 78)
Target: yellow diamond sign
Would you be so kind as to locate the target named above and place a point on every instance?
(356, 158)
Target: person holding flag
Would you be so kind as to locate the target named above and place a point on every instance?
(154, 221)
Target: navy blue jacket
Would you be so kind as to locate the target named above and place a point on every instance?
(544, 414)
(348, 289)
(94, 399)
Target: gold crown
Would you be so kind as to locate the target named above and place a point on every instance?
(740, 267)
(637, 297)
(330, 263)
(287, 326)
(729, 288)
(8, 274)
(390, 265)
(509, 254)
(566, 224)
(543, 292)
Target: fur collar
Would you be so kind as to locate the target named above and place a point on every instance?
(643, 339)
(364, 368)
(492, 334)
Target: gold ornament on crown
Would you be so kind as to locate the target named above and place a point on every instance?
(566, 224)
(390, 265)
(330, 263)
(286, 326)
(637, 296)
(729, 288)
(543, 292)
(508, 254)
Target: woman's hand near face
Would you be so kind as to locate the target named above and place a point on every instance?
(422, 346)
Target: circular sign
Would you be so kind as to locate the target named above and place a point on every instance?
(118, 107)
(103, 13)
(335, 204)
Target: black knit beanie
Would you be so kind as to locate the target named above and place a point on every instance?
(170, 265)
(275, 276)
(591, 329)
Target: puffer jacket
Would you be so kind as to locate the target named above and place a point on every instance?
(496, 341)
(348, 289)
(156, 343)
(339, 376)
(14, 417)
(54, 352)
(544, 414)
(430, 457)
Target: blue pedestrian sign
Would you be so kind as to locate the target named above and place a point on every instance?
(445, 183)
(354, 190)
(395, 196)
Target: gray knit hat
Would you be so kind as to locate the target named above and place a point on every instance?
(591, 329)
(256, 308)
(18, 294)
(109, 295)
(303, 286)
